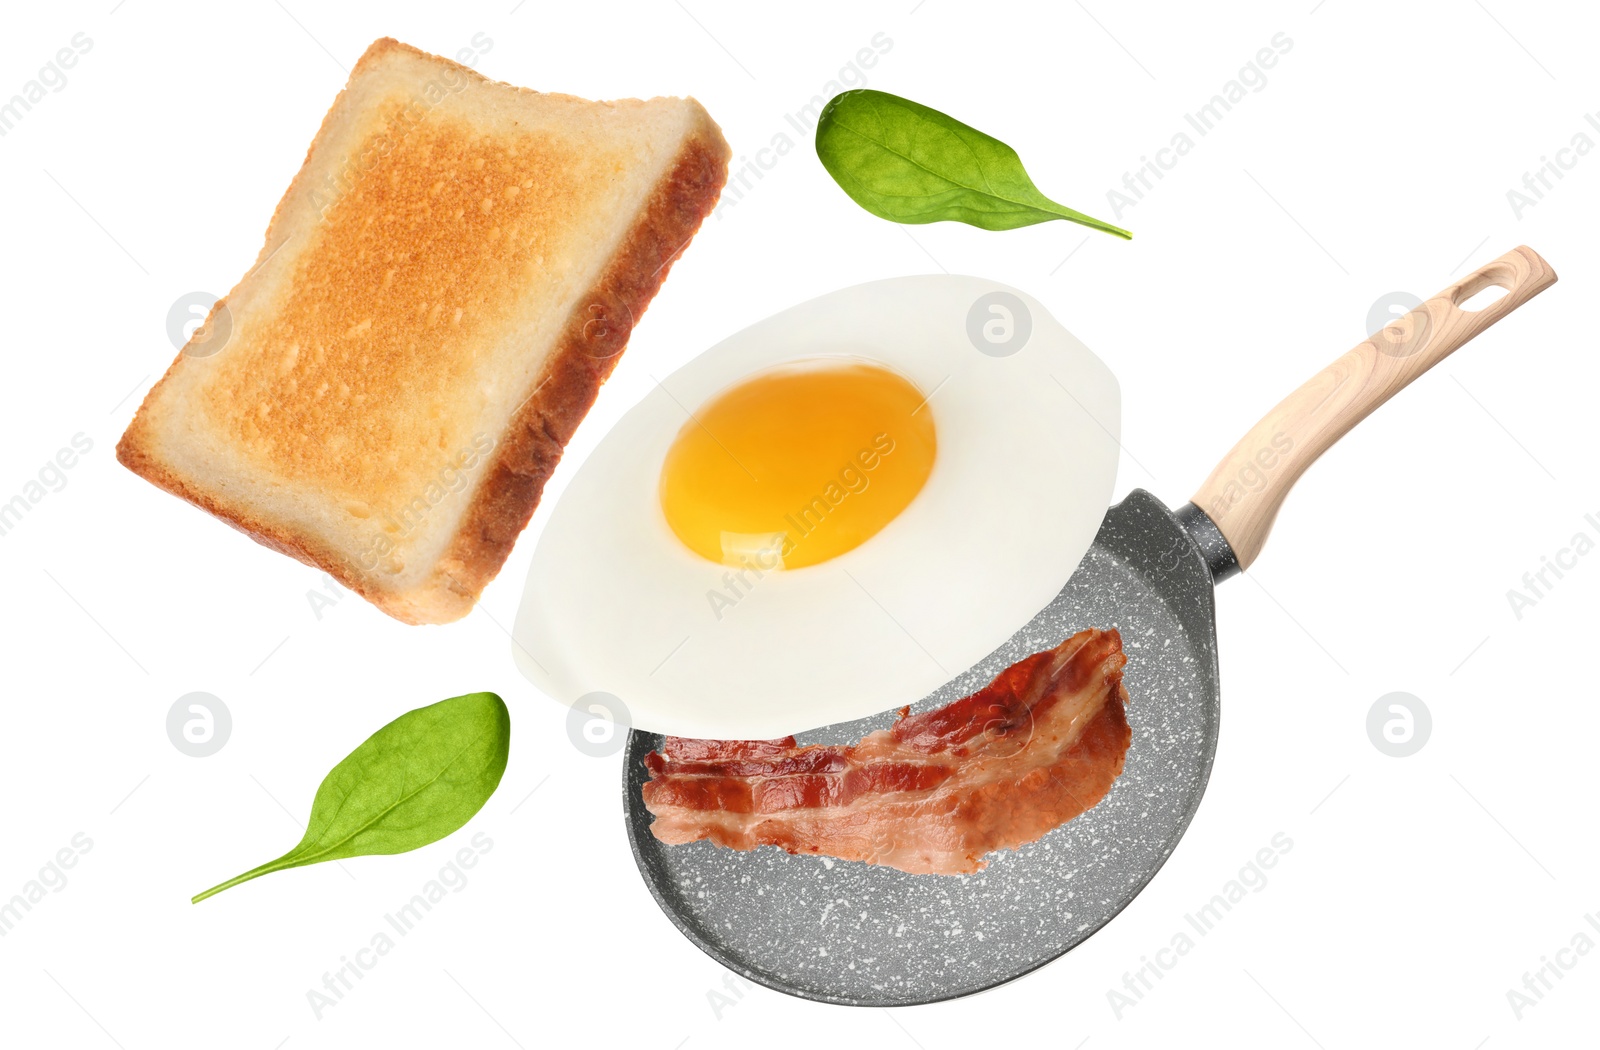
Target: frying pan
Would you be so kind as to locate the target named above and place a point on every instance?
(859, 934)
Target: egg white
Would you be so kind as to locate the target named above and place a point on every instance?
(1027, 457)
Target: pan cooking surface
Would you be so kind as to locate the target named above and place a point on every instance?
(854, 933)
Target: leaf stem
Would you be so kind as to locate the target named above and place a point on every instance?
(1104, 227)
(253, 873)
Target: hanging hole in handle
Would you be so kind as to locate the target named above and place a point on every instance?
(1482, 290)
(1482, 298)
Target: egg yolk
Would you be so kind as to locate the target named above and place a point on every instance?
(797, 465)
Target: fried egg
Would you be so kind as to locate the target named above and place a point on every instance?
(829, 514)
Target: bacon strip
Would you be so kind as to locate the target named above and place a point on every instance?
(933, 793)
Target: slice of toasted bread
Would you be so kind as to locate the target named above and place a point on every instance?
(445, 285)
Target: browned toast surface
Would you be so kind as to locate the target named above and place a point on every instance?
(443, 289)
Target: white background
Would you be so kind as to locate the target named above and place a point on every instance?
(1377, 158)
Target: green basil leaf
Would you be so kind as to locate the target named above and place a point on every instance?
(412, 782)
(907, 163)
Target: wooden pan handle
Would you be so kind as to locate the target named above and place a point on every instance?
(1245, 491)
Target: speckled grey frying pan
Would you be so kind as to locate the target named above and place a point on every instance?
(857, 934)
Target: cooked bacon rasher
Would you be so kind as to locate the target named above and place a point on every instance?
(933, 793)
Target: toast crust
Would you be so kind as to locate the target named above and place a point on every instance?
(508, 489)
(595, 335)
